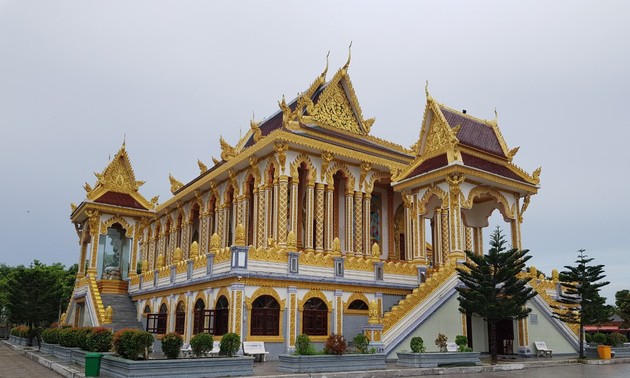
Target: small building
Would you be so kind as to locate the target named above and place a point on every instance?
(310, 225)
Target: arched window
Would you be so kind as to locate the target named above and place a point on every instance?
(358, 304)
(161, 319)
(222, 315)
(265, 319)
(198, 324)
(180, 318)
(315, 318)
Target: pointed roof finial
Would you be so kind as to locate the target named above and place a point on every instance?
(496, 116)
(426, 90)
(323, 75)
(124, 140)
(345, 67)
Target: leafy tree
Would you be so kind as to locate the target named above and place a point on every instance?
(34, 294)
(580, 302)
(491, 288)
(622, 301)
(5, 272)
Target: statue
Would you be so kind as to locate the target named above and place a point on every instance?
(376, 252)
(291, 243)
(373, 311)
(240, 235)
(62, 320)
(215, 242)
(109, 315)
(194, 250)
(336, 249)
(160, 261)
(178, 255)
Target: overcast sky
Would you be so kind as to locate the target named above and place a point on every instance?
(76, 77)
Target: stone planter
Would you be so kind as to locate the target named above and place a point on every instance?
(13, 339)
(114, 366)
(78, 356)
(326, 363)
(621, 352)
(47, 348)
(64, 353)
(423, 360)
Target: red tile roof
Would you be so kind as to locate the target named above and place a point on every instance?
(119, 199)
(430, 165)
(484, 165)
(473, 133)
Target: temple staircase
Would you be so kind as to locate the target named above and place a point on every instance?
(406, 316)
(125, 312)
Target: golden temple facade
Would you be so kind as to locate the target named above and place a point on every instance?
(306, 225)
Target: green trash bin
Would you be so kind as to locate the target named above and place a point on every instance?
(93, 364)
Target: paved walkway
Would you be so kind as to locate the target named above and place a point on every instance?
(15, 363)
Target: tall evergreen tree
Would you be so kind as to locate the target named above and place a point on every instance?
(492, 289)
(580, 302)
(622, 301)
(34, 294)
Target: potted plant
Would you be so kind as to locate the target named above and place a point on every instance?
(420, 359)
(603, 351)
(361, 343)
(230, 344)
(440, 341)
(462, 344)
(172, 344)
(303, 346)
(417, 345)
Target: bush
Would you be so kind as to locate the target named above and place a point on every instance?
(129, 343)
(82, 336)
(417, 345)
(20, 331)
(361, 343)
(588, 337)
(303, 345)
(335, 344)
(616, 339)
(201, 344)
(599, 338)
(68, 337)
(51, 335)
(440, 341)
(100, 340)
(172, 345)
(230, 344)
(462, 344)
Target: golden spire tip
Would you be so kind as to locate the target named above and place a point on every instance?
(349, 56)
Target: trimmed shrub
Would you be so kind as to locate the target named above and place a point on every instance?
(588, 337)
(303, 345)
(230, 344)
(82, 336)
(361, 343)
(615, 339)
(335, 344)
(417, 345)
(599, 338)
(100, 340)
(172, 345)
(201, 344)
(440, 341)
(129, 343)
(68, 337)
(20, 331)
(51, 335)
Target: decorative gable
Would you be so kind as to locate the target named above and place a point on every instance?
(117, 185)
(334, 109)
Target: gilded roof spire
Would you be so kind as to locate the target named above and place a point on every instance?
(345, 66)
(426, 90)
(323, 75)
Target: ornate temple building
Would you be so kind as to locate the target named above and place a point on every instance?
(310, 225)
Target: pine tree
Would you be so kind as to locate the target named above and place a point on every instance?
(492, 289)
(622, 301)
(580, 302)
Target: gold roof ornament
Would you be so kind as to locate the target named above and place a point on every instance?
(202, 166)
(73, 206)
(227, 151)
(194, 249)
(175, 184)
(255, 128)
(336, 248)
(345, 66)
(215, 160)
(536, 175)
(376, 252)
(513, 152)
(178, 255)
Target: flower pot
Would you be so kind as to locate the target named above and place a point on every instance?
(604, 352)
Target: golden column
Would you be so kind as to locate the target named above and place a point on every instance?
(275, 208)
(423, 237)
(437, 230)
(282, 209)
(349, 221)
(367, 237)
(469, 238)
(328, 223)
(446, 249)
(81, 272)
(358, 223)
(294, 204)
(221, 224)
(407, 204)
(308, 222)
(254, 217)
(204, 231)
(263, 199)
(94, 222)
(319, 217)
